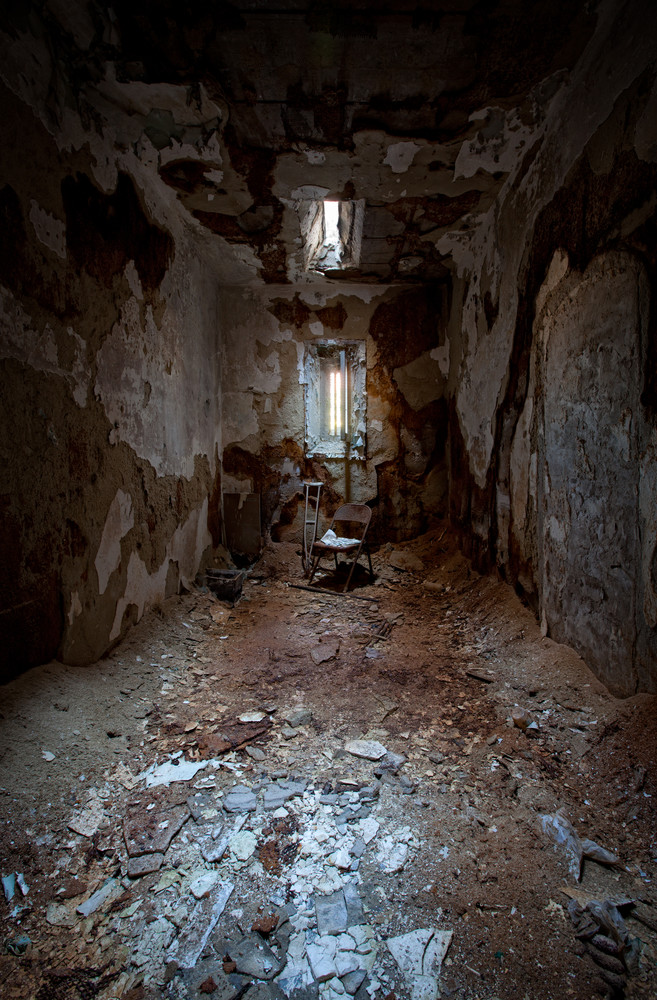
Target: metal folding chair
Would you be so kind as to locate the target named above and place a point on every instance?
(353, 514)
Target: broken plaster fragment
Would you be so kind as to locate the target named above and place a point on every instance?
(369, 749)
(243, 845)
(164, 774)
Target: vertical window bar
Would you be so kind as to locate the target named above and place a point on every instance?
(338, 406)
(331, 403)
(343, 369)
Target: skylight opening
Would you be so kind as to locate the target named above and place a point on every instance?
(331, 232)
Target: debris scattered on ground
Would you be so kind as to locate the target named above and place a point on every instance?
(231, 812)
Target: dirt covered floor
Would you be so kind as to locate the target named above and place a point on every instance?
(311, 795)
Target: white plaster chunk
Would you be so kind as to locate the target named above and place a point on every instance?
(49, 230)
(441, 355)
(120, 519)
(400, 156)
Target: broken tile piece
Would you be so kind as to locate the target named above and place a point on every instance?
(147, 832)
(420, 952)
(87, 820)
(144, 865)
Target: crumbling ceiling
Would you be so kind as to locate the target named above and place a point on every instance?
(247, 112)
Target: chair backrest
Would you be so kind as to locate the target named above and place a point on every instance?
(358, 512)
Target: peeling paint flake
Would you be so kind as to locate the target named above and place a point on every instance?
(400, 156)
(49, 230)
(120, 519)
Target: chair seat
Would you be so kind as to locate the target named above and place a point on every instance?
(351, 513)
(325, 547)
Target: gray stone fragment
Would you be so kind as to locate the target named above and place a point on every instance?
(369, 749)
(278, 793)
(353, 981)
(253, 957)
(298, 717)
(358, 848)
(354, 905)
(264, 991)
(144, 865)
(240, 799)
(255, 753)
(392, 762)
(329, 800)
(332, 916)
(208, 972)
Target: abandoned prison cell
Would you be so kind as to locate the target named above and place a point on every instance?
(274, 277)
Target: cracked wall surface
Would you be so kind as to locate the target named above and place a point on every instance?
(161, 178)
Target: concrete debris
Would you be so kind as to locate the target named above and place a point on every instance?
(145, 864)
(406, 561)
(252, 717)
(61, 915)
(203, 884)
(255, 753)
(369, 749)
(391, 856)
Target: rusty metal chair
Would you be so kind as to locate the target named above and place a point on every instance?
(349, 513)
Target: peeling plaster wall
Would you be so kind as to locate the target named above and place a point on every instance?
(110, 375)
(404, 475)
(551, 467)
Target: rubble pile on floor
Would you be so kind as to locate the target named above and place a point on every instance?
(190, 847)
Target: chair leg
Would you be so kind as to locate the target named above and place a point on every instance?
(369, 559)
(314, 569)
(353, 567)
